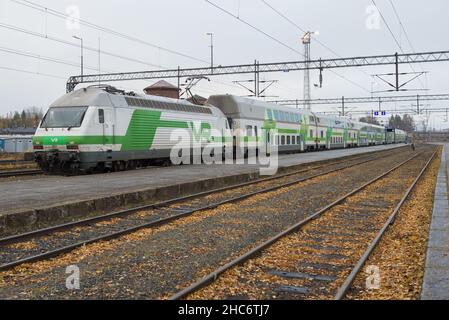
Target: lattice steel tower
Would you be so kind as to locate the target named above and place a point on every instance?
(306, 41)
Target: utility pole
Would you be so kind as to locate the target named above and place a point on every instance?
(211, 51)
(82, 54)
(99, 60)
(306, 42)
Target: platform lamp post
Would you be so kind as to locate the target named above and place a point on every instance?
(82, 54)
(211, 51)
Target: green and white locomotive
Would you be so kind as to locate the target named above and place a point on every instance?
(106, 129)
(100, 128)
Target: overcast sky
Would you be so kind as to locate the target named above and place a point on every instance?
(347, 27)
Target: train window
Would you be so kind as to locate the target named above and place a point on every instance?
(298, 140)
(288, 140)
(311, 133)
(269, 114)
(231, 123)
(322, 134)
(283, 140)
(277, 140)
(296, 117)
(292, 117)
(100, 116)
(293, 140)
(312, 119)
(249, 131)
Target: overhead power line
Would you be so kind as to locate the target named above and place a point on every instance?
(279, 13)
(278, 41)
(61, 15)
(255, 28)
(49, 59)
(402, 25)
(393, 36)
(95, 50)
(32, 72)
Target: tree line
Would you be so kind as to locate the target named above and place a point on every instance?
(28, 118)
(406, 122)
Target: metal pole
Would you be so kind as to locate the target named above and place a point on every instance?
(343, 106)
(417, 104)
(179, 77)
(397, 71)
(82, 58)
(99, 60)
(211, 52)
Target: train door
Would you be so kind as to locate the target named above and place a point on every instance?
(268, 141)
(106, 121)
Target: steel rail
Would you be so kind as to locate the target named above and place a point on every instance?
(9, 174)
(343, 289)
(152, 224)
(14, 161)
(122, 213)
(211, 277)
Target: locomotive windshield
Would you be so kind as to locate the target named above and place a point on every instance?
(64, 117)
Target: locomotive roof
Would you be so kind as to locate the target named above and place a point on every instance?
(245, 107)
(251, 108)
(94, 96)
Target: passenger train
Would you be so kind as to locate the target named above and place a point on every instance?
(100, 128)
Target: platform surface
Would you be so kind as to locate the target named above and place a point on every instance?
(436, 274)
(29, 194)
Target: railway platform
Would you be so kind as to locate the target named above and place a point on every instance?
(29, 201)
(436, 274)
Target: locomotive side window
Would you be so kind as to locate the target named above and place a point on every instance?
(249, 131)
(101, 116)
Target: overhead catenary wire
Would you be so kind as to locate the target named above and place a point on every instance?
(279, 13)
(278, 41)
(403, 28)
(62, 15)
(393, 35)
(31, 72)
(95, 50)
(254, 27)
(44, 58)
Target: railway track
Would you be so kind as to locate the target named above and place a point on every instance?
(55, 240)
(15, 161)
(20, 173)
(320, 256)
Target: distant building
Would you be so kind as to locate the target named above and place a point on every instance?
(163, 89)
(18, 131)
